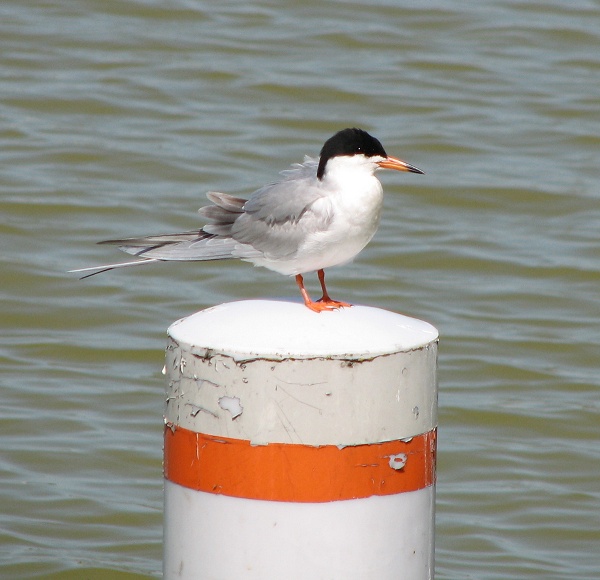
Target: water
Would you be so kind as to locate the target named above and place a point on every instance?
(117, 117)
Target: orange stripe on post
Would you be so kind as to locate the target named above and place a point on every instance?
(297, 473)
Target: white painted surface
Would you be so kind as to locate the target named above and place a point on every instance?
(214, 537)
(252, 328)
(292, 392)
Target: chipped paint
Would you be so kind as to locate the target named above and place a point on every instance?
(206, 382)
(231, 404)
(198, 409)
(398, 461)
(311, 400)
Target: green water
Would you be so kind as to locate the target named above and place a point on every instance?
(117, 117)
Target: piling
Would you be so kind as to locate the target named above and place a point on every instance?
(299, 445)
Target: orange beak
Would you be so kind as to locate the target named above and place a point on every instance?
(398, 165)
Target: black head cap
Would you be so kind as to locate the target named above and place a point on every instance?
(349, 142)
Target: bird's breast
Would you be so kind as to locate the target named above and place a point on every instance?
(355, 218)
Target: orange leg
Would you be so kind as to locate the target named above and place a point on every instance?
(326, 298)
(325, 302)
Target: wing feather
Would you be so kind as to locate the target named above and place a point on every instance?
(277, 218)
(272, 224)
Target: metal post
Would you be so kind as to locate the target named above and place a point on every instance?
(300, 445)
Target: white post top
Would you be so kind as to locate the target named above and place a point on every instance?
(280, 330)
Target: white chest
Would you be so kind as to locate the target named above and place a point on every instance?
(356, 212)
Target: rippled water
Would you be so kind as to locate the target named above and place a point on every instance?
(117, 117)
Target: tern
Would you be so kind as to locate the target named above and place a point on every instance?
(322, 213)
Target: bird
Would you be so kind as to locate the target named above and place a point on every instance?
(321, 213)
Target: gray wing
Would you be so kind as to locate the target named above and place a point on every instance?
(278, 218)
(211, 242)
(272, 223)
(187, 246)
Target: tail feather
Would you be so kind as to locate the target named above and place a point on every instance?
(213, 242)
(226, 201)
(161, 239)
(99, 269)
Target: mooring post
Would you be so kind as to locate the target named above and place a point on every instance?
(300, 445)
